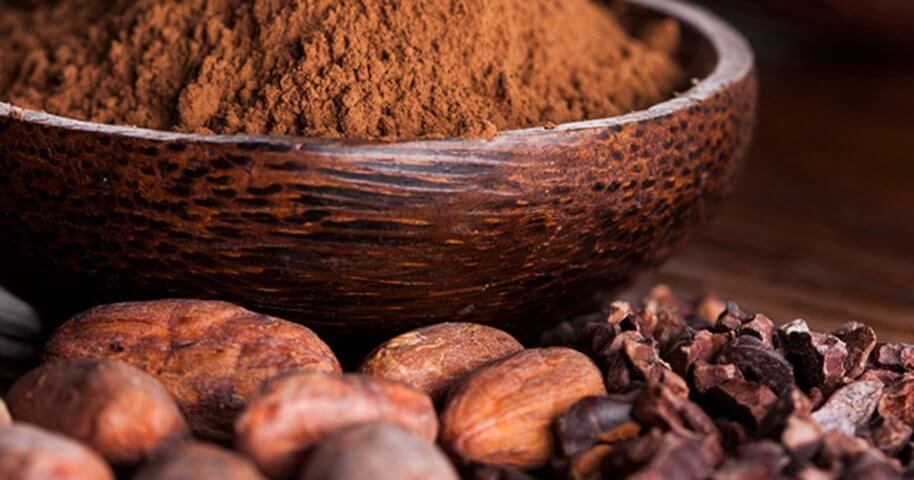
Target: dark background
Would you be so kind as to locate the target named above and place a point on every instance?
(821, 225)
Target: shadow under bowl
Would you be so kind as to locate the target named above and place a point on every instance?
(366, 237)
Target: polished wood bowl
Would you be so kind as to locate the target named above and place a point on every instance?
(368, 237)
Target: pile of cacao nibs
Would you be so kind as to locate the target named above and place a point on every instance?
(178, 389)
(707, 390)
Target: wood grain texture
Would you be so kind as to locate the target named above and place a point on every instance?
(371, 237)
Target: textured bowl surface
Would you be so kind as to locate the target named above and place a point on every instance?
(373, 237)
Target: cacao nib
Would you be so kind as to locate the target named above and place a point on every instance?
(760, 327)
(706, 376)
(818, 358)
(760, 460)
(890, 434)
(592, 420)
(674, 456)
(893, 356)
(810, 472)
(570, 333)
(886, 377)
(860, 341)
(898, 400)
(631, 358)
(849, 408)
(495, 472)
(587, 464)
(666, 316)
(801, 436)
(626, 319)
(790, 420)
(657, 405)
(732, 433)
(759, 363)
(705, 312)
(873, 467)
(732, 318)
(630, 455)
(742, 400)
(701, 346)
(598, 335)
(618, 376)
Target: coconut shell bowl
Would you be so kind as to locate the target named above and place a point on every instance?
(368, 237)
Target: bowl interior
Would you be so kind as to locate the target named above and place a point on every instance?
(709, 51)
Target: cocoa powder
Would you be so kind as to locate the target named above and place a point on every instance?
(389, 69)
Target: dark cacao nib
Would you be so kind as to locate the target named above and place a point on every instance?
(705, 312)
(626, 319)
(760, 460)
(682, 457)
(659, 406)
(818, 358)
(630, 358)
(886, 377)
(668, 455)
(618, 375)
(666, 316)
(741, 400)
(630, 455)
(706, 376)
(890, 434)
(893, 356)
(598, 335)
(898, 400)
(570, 333)
(873, 467)
(791, 421)
(801, 436)
(732, 318)
(495, 472)
(700, 346)
(860, 341)
(585, 465)
(759, 363)
(760, 327)
(592, 420)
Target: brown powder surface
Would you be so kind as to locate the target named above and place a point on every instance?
(369, 69)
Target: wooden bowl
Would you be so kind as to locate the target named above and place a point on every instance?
(362, 237)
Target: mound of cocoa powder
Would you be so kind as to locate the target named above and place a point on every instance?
(388, 69)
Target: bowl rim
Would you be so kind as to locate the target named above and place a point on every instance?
(735, 60)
